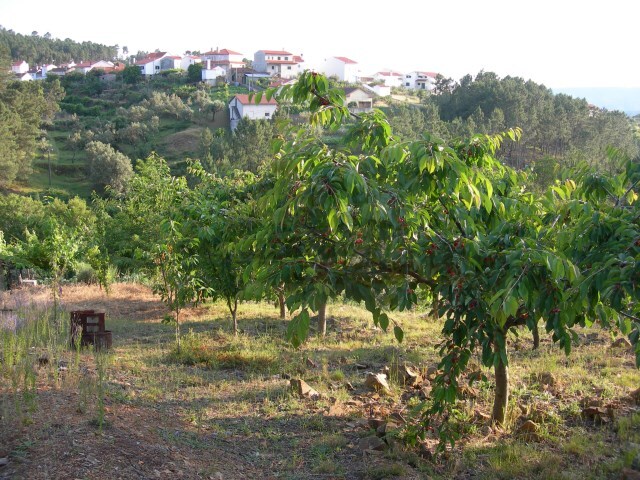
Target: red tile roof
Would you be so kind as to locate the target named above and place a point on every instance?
(18, 63)
(174, 57)
(345, 60)
(151, 58)
(224, 51)
(244, 99)
(429, 74)
(389, 73)
(298, 59)
(286, 62)
(276, 52)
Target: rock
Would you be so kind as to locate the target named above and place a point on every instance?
(375, 423)
(408, 376)
(529, 431)
(311, 363)
(481, 417)
(372, 443)
(377, 382)
(629, 474)
(596, 414)
(361, 366)
(4, 461)
(303, 389)
(621, 342)
(425, 393)
(336, 410)
(545, 379)
(466, 392)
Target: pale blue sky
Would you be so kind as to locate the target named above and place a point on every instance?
(557, 43)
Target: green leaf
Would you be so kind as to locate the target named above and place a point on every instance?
(383, 321)
(510, 306)
(399, 334)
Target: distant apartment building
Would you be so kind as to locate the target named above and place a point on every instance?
(345, 69)
(277, 63)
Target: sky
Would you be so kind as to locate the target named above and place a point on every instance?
(560, 43)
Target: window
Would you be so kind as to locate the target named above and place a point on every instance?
(289, 67)
(407, 84)
(278, 58)
(157, 67)
(408, 76)
(266, 114)
(273, 67)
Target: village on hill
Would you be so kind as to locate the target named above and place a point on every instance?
(225, 65)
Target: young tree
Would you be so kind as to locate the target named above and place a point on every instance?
(449, 219)
(108, 168)
(131, 74)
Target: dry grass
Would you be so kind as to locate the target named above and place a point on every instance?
(222, 404)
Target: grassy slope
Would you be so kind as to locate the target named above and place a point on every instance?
(225, 397)
(175, 141)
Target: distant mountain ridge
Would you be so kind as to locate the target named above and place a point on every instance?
(626, 100)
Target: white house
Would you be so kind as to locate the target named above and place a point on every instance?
(380, 90)
(277, 63)
(20, 67)
(170, 62)
(344, 68)
(241, 107)
(150, 65)
(420, 80)
(189, 60)
(211, 75)
(24, 77)
(85, 67)
(229, 60)
(389, 77)
(357, 100)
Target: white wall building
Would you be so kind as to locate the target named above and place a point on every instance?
(189, 60)
(20, 67)
(211, 75)
(229, 60)
(420, 80)
(343, 68)
(277, 63)
(380, 90)
(241, 107)
(150, 65)
(389, 77)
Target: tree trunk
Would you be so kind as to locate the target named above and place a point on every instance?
(283, 309)
(178, 329)
(322, 319)
(49, 162)
(501, 399)
(234, 313)
(536, 338)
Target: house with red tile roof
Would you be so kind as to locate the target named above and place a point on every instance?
(241, 107)
(389, 78)
(86, 67)
(20, 67)
(345, 69)
(420, 80)
(228, 60)
(277, 63)
(150, 65)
